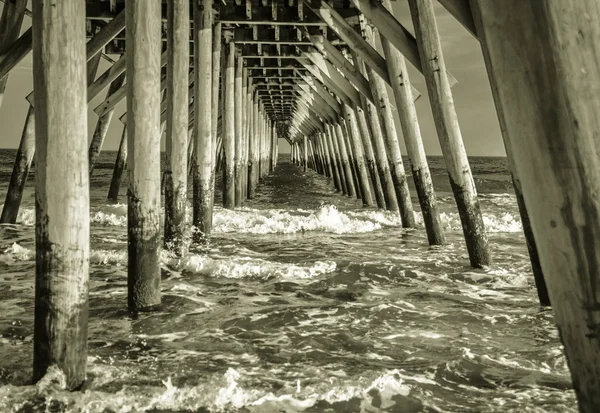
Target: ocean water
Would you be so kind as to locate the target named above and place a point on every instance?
(299, 308)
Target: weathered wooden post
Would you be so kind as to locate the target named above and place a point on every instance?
(542, 63)
(336, 150)
(367, 144)
(229, 135)
(204, 87)
(217, 97)
(380, 153)
(62, 191)
(120, 162)
(176, 168)
(249, 136)
(102, 126)
(305, 150)
(449, 135)
(252, 150)
(357, 147)
(239, 123)
(20, 172)
(321, 151)
(390, 135)
(244, 103)
(339, 133)
(407, 114)
(143, 37)
(351, 161)
(273, 148)
(10, 28)
(337, 179)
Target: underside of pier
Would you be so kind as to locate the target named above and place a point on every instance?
(226, 81)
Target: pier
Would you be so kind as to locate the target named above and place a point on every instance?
(225, 83)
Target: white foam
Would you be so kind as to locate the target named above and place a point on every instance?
(17, 253)
(255, 221)
(253, 268)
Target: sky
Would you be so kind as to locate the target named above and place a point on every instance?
(462, 53)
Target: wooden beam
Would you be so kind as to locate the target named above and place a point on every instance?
(395, 32)
(350, 36)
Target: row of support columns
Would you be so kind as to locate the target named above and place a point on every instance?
(55, 133)
(548, 122)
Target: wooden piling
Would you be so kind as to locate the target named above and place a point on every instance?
(176, 160)
(355, 139)
(350, 188)
(120, 162)
(244, 131)
(338, 158)
(371, 165)
(239, 122)
(229, 135)
(351, 158)
(379, 148)
(305, 152)
(252, 150)
(217, 97)
(62, 210)
(411, 131)
(249, 137)
(390, 136)
(203, 117)
(143, 34)
(541, 60)
(20, 172)
(102, 126)
(449, 134)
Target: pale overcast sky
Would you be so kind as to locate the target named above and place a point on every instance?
(472, 95)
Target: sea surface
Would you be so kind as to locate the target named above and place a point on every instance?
(299, 307)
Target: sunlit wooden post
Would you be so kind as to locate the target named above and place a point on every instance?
(62, 191)
(244, 132)
(367, 144)
(407, 114)
(252, 152)
(542, 63)
(217, 97)
(203, 117)
(388, 128)
(176, 168)
(143, 135)
(379, 149)
(448, 130)
(229, 127)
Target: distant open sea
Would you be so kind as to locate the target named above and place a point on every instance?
(297, 307)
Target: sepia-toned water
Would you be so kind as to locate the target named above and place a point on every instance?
(298, 307)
